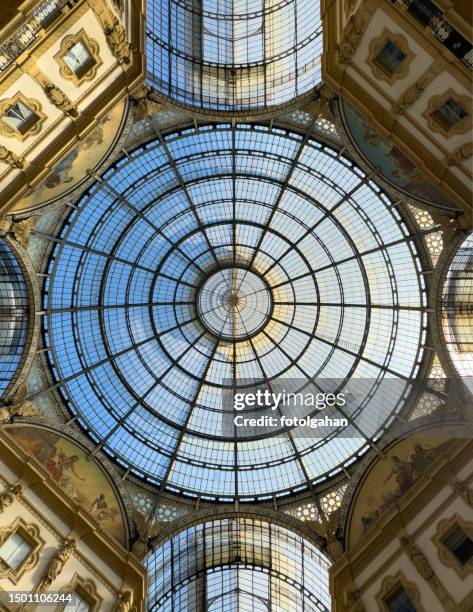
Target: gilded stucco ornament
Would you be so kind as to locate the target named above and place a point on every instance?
(460, 155)
(352, 33)
(18, 406)
(57, 97)
(9, 158)
(116, 37)
(19, 230)
(124, 603)
(462, 489)
(56, 565)
(423, 566)
(411, 94)
(8, 497)
(353, 601)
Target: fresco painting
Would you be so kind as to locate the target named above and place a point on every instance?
(395, 167)
(78, 163)
(394, 476)
(79, 477)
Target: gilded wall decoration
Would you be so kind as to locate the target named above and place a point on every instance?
(78, 475)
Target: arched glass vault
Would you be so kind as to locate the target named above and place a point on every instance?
(237, 564)
(14, 311)
(151, 313)
(233, 55)
(457, 310)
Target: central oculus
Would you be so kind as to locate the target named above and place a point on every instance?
(234, 303)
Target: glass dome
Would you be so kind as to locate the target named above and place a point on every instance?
(233, 55)
(237, 564)
(152, 317)
(13, 316)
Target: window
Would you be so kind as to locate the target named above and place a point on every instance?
(459, 544)
(398, 594)
(454, 543)
(77, 604)
(20, 117)
(390, 57)
(84, 596)
(20, 544)
(399, 601)
(448, 114)
(79, 59)
(14, 551)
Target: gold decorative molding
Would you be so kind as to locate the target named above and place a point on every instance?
(116, 36)
(8, 497)
(9, 158)
(20, 231)
(67, 44)
(57, 563)
(436, 102)
(377, 45)
(86, 589)
(389, 586)
(17, 405)
(460, 154)
(424, 568)
(30, 533)
(56, 96)
(413, 92)
(352, 33)
(353, 601)
(444, 553)
(32, 105)
(124, 602)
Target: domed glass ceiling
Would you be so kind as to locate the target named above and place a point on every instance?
(13, 315)
(233, 55)
(151, 308)
(237, 564)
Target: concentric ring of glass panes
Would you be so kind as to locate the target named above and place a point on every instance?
(233, 55)
(234, 303)
(13, 316)
(237, 564)
(145, 377)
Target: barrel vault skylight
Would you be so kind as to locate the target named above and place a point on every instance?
(233, 55)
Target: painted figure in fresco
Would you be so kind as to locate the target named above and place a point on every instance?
(403, 471)
(99, 508)
(421, 458)
(62, 469)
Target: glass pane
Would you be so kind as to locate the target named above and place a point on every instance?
(15, 550)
